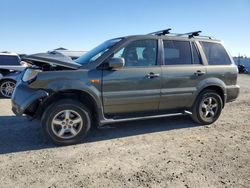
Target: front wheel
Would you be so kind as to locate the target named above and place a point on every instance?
(207, 108)
(66, 122)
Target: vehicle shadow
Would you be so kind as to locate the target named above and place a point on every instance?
(140, 127)
(18, 134)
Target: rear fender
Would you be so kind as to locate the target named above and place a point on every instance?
(215, 82)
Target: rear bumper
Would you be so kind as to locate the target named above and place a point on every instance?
(23, 97)
(232, 93)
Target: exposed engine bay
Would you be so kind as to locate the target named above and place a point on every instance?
(51, 61)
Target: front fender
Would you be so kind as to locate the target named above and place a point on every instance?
(63, 85)
(58, 81)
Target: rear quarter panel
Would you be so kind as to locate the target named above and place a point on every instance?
(227, 73)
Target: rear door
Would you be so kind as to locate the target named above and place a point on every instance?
(181, 74)
(135, 87)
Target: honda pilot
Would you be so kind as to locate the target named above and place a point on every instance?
(128, 78)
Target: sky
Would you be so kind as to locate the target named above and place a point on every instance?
(32, 26)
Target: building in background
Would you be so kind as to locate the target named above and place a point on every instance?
(243, 63)
(242, 60)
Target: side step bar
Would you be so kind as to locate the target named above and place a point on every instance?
(108, 121)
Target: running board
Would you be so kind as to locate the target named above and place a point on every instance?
(107, 121)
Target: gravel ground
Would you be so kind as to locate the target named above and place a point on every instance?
(168, 152)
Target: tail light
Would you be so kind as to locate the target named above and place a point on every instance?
(24, 63)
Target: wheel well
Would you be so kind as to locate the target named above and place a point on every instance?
(218, 90)
(77, 95)
(5, 79)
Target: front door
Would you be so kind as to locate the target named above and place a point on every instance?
(135, 87)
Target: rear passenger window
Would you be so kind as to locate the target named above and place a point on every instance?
(215, 53)
(196, 55)
(177, 52)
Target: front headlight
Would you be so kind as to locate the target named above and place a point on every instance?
(30, 75)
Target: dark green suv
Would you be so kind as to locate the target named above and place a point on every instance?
(129, 78)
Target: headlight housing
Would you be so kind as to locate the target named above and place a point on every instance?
(30, 75)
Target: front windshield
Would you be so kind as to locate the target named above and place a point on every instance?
(93, 54)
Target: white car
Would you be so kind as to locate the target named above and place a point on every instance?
(10, 68)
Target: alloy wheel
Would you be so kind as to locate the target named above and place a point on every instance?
(67, 124)
(7, 88)
(209, 108)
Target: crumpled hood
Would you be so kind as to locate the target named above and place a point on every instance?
(52, 58)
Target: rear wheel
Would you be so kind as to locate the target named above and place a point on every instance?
(66, 122)
(7, 88)
(207, 108)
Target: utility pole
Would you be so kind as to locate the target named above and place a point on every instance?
(238, 61)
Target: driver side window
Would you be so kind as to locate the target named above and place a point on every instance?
(139, 53)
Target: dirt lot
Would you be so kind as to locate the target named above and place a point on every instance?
(168, 152)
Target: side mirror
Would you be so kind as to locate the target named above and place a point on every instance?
(115, 63)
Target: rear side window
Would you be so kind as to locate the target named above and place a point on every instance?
(177, 52)
(9, 60)
(215, 53)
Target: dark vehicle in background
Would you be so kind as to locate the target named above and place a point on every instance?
(129, 78)
(242, 69)
(73, 54)
(10, 69)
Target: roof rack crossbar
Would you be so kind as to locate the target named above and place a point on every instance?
(191, 34)
(161, 32)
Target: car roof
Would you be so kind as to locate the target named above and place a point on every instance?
(9, 54)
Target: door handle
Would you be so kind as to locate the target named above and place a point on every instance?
(199, 73)
(152, 75)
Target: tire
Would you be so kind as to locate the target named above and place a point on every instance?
(66, 122)
(7, 87)
(207, 107)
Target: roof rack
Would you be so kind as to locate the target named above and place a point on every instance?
(194, 34)
(189, 34)
(161, 32)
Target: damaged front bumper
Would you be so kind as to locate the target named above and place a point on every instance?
(24, 97)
